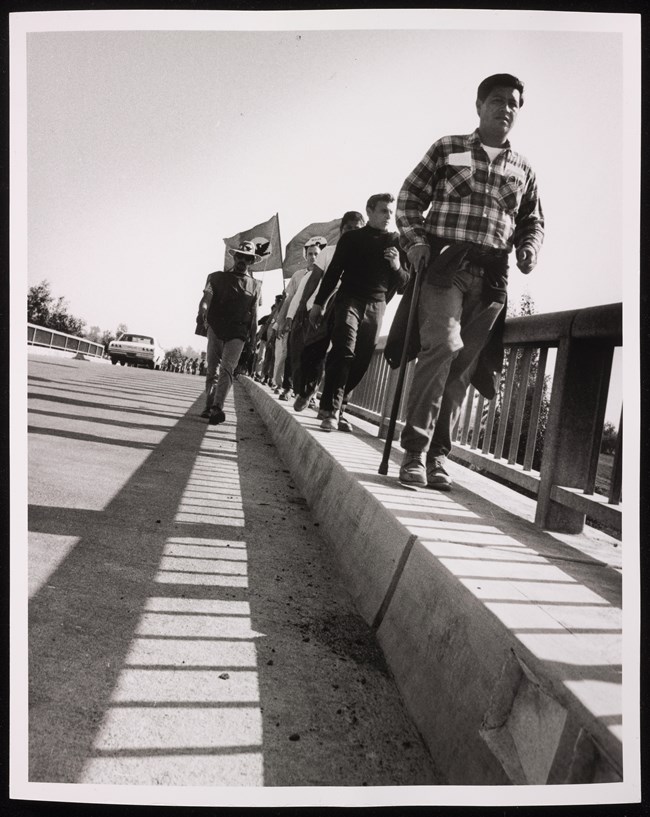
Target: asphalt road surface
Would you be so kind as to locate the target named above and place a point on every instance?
(186, 622)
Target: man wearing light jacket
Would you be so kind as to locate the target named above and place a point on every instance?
(284, 319)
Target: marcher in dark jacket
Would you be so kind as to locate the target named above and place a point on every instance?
(368, 263)
(229, 307)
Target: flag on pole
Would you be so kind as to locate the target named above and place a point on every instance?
(266, 237)
(294, 257)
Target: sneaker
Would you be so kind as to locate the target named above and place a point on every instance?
(300, 403)
(206, 412)
(345, 425)
(412, 470)
(437, 477)
(216, 416)
(329, 424)
(284, 396)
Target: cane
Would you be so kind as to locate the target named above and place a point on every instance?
(383, 468)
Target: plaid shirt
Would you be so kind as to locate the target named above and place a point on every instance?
(493, 205)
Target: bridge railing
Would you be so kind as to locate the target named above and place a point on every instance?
(53, 339)
(541, 433)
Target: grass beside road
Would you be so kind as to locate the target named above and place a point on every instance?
(604, 474)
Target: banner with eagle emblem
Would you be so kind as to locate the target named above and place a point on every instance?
(294, 257)
(266, 237)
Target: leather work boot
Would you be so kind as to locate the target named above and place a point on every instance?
(412, 470)
(329, 421)
(437, 477)
(345, 425)
(300, 403)
(216, 416)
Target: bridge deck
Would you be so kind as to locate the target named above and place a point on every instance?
(505, 641)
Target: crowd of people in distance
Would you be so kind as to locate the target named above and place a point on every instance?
(465, 206)
(186, 365)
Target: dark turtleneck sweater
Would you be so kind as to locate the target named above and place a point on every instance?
(360, 264)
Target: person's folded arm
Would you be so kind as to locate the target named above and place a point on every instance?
(334, 271)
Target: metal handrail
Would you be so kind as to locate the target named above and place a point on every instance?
(53, 339)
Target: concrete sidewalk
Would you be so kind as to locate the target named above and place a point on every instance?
(505, 640)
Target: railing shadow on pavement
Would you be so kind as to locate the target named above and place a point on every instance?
(83, 619)
(147, 664)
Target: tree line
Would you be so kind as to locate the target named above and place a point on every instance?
(46, 310)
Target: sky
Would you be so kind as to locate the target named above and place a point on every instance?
(139, 140)
(142, 149)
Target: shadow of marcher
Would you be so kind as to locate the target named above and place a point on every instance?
(82, 621)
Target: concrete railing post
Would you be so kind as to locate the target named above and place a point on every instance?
(574, 427)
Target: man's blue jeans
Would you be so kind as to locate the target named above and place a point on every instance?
(454, 326)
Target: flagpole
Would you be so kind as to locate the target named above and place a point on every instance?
(277, 221)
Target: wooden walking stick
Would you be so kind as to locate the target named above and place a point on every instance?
(383, 468)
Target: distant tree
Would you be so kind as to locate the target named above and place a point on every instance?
(39, 303)
(62, 321)
(176, 355)
(608, 441)
(190, 352)
(43, 310)
(121, 329)
(106, 338)
(525, 307)
(94, 334)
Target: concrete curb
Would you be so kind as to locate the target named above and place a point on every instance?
(504, 642)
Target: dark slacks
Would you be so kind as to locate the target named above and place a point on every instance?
(357, 324)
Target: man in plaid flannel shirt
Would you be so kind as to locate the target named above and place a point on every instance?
(483, 201)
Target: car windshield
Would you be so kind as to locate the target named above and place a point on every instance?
(137, 338)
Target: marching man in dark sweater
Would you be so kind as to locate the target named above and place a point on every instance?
(368, 263)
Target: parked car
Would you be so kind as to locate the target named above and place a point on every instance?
(135, 350)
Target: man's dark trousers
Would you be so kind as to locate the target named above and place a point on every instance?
(357, 324)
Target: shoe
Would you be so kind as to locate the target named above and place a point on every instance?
(284, 396)
(276, 390)
(300, 403)
(437, 477)
(216, 416)
(206, 412)
(412, 471)
(328, 424)
(312, 403)
(345, 425)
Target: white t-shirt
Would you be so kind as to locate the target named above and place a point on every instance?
(290, 296)
(322, 262)
(491, 152)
